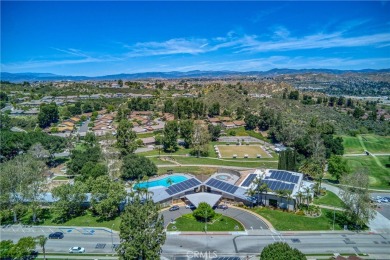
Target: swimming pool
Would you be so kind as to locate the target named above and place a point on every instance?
(162, 182)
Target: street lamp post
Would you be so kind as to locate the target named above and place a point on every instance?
(334, 216)
(206, 223)
(112, 239)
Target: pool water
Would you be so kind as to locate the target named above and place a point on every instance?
(161, 182)
(222, 177)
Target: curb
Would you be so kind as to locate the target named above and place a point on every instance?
(270, 226)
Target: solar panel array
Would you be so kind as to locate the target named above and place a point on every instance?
(182, 186)
(249, 180)
(284, 176)
(227, 187)
(278, 185)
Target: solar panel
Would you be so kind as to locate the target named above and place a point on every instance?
(296, 178)
(249, 180)
(277, 187)
(182, 186)
(222, 185)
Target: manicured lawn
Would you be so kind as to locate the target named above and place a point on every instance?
(197, 170)
(158, 161)
(330, 199)
(252, 151)
(86, 220)
(352, 145)
(181, 151)
(376, 143)
(378, 177)
(231, 162)
(220, 223)
(285, 221)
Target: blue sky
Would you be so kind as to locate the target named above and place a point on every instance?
(98, 38)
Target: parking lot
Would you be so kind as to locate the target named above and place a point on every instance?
(383, 207)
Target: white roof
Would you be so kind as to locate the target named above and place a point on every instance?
(209, 198)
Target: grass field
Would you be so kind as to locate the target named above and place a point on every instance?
(252, 151)
(376, 144)
(379, 177)
(228, 162)
(330, 199)
(197, 170)
(220, 223)
(352, 145)
(285, 221)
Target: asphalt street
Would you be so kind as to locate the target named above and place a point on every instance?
(248, 220)
(97, 240)
(252, 244)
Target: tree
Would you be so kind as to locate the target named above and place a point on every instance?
(294, 95)
(337, 166)
(69, 200)
(358, 113)
(168, 106)
(126, 137)
(356, 197)
(106, 196)
(5, 248)
(287, 160)
(80, 158)
(120, 83)
(92, 170)
(187, 132)
(136, 167)
(214, 110)
(204, 212)
(90, 139)
(5, 121)
(141, 231)
(201, 138)
(42, 243)
(170, 136)
(23, 248)
(251, 121)
(281, 251)
(215, 131)
(48, 113)
(39, 152)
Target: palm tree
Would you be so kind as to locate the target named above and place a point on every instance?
(170, 182)
(280, 193)
(299, 197)
(308, 196)
(266, 190)
(289, 197)
(42, 242)
(250, 192)
(258, 182)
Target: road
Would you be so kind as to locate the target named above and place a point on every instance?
(227, 244)
(248, 220)
(309, 243)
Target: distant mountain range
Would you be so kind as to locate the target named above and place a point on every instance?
(19, 77)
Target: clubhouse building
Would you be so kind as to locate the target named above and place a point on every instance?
(230, 186)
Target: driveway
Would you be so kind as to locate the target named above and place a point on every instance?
(248, 220)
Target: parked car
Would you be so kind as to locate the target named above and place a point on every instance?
(56, 235)
(76, 249)
(190, 206)
(173, 208)
(222, 206)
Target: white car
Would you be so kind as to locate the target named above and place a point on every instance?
(190, 206)
(76, 249)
